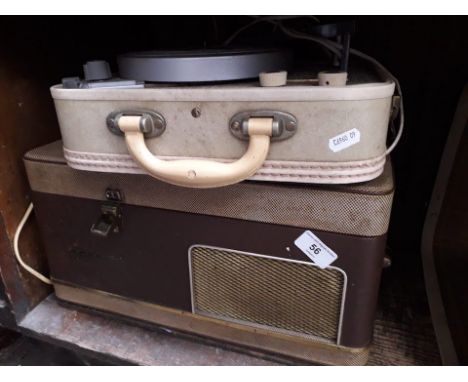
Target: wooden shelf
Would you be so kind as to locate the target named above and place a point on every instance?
(116, 341)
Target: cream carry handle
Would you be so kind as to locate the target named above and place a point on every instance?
(200, 173)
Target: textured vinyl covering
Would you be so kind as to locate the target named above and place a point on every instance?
(360, 209)
(319, 152)
(293, 297)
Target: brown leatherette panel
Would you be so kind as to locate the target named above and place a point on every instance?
(148, 259)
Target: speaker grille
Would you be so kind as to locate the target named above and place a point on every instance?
(286, 296)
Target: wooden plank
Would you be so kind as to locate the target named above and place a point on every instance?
(28, 120)
(113, 340)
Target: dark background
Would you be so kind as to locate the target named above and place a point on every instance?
(427, 54)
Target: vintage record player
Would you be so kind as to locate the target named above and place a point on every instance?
(212, 117)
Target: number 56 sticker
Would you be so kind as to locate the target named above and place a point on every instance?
(315, 249)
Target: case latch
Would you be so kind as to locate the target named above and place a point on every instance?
(111, 215)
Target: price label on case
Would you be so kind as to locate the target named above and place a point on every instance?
(344, 140)
(315, 249)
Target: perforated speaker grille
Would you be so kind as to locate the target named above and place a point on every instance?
(280, 295)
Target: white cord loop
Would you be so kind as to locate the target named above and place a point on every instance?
(335, 48)
(16, 248)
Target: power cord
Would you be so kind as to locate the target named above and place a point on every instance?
(335, 48)
(17, 252)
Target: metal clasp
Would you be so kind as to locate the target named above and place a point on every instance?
(152, 124)
(110, 219)
(284, 124)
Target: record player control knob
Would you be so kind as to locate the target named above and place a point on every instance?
(273, 79)
(97, 70)
(332, 78)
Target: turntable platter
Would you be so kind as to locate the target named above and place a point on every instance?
(207, 65)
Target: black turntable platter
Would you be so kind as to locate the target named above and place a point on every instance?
(206, 65)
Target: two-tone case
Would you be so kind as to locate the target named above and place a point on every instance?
(237, 263)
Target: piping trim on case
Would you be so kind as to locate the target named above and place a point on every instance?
(290, 171)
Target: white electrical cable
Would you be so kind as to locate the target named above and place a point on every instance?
(16, 247)
(258, 20)
(336, 47)
(397, 84)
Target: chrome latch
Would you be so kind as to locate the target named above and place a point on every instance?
(284, 124)
(110, 219)
(152, 124)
